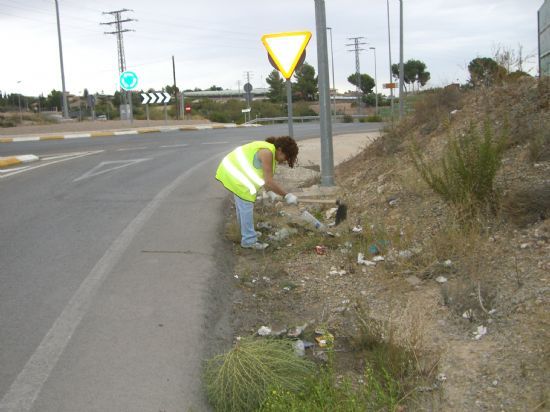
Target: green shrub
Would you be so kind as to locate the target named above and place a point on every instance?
(466, 173)
(240, 379)
(347, 118)
(371, 119)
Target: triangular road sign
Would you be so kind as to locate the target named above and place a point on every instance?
(286, 49)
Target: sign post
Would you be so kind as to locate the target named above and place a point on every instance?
(285, 52)
(128, 81)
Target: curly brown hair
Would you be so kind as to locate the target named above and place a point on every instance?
(288, 145)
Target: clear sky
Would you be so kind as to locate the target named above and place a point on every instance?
(216, 42)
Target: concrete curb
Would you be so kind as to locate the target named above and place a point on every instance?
(109, 133)
(15, 160)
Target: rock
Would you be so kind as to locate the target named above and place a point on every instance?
(282, 234)
(264, 225)
(441, 279)
(448, 263)
(357, 229)
(264, 331)
(378, 259)
(329, 214)
(405, 254)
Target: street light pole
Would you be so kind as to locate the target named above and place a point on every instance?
(389, 52)
(401, 68)
(64, 98)
(375, 79)
(333, 84)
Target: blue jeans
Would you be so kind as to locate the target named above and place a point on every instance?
(245, 218)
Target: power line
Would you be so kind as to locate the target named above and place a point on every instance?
(357, 43)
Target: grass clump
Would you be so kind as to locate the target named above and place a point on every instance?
(240, 379)
(466, 173)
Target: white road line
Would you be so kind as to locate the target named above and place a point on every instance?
(214, 142)
(132, 148)
(27, 386)
(174, 145)
(105, 167)
(125, 132)
(26, 139)
(16, 171)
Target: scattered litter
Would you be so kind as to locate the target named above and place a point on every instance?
(357, 229)
(321, 250)
(329, 214)
(264, 331)
(363, 293)
(286, 289)
(362, 261)
(266, 279)
(308, 345)
(524, 245)
(393, 202)
(481, 330)
(308, 217)
(448, 263)
(325, 339)
(296, 331)
(335, 271)
(441, 377)
(299, 348)
(264, 225)
(492, 311)
(378, 258)
(441, 279)
(236, 276)
(469, 314)
(282, 234)
(373, 249)
(495, 382)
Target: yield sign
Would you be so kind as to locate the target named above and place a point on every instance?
(286, 49)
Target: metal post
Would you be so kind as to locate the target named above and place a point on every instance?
(64, 100)
(289, 107)
(333, 84)
(147, 111)
(389, 50)
(375, 79)
(327, 159)
(131, 114)
(401, 68)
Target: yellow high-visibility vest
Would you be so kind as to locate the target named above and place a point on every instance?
(238, 174)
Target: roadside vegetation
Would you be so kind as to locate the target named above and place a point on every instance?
(450, 209)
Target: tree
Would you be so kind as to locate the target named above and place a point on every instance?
(414, 71)
(276, 93)
(485, 71)
(367, 82)
(305, 87)
(54, 100)
(215, 88)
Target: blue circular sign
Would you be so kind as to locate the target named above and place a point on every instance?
(128, 80)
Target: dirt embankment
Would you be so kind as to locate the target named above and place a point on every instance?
(471, 304)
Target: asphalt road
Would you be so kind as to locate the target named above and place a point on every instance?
(114, 272)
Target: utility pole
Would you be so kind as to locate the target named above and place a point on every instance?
(401, 68)
(333, 83)
(357, 43)
(175, 88)
(389, 51)
(375, 79)
(64, 97)
(120, 43)
(327, 158)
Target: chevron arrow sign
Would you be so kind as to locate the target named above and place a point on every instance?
(155, 97)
